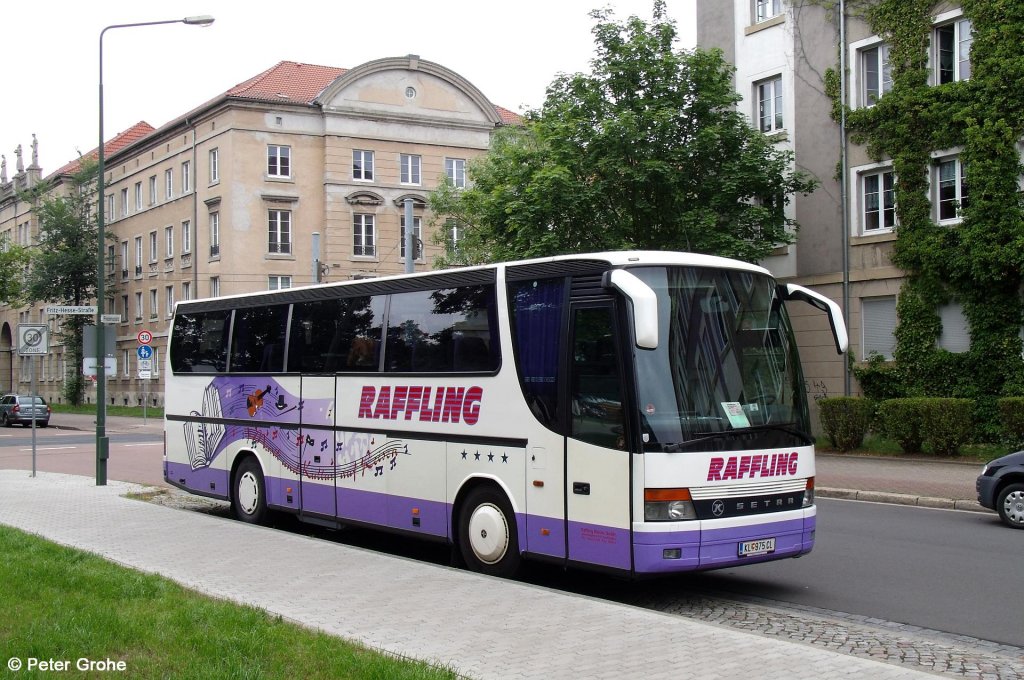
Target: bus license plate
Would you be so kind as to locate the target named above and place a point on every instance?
(761, 546)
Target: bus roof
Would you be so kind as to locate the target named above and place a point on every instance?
(621, 258)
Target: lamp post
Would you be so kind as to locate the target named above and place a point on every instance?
(102, 443)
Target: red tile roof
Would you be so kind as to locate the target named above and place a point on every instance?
(508, 117)
(118, 142)
(287, 81)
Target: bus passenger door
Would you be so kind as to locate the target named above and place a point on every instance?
(597, 448)
(317, 447)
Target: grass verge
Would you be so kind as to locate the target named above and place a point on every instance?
(64, 604)
(90, 409)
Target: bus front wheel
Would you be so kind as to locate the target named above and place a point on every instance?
(249, 500)
(488, 538)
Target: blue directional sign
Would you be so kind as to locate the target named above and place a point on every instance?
(144, 352)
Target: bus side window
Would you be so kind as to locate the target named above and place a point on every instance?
(257, 342)
(199, 342)
(597, 415)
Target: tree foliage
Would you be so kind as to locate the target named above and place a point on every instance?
(645, 151)
(13, 268)
(63, 262)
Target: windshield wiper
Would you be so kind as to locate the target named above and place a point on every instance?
(675, 447)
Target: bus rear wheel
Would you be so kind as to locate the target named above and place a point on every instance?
(249, 497)
(488, 540)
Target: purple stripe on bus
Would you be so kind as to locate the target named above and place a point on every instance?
(198, 480)
(596, 544)
(534, 539)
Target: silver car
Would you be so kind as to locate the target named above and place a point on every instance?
(20, 408)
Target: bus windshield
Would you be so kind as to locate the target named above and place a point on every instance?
(726, 373)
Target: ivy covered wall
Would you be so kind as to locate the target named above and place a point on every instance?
(978, 262)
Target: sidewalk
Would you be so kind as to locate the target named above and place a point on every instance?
(482, 627)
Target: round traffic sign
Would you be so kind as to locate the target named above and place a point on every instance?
(144, 352)
(145, 337)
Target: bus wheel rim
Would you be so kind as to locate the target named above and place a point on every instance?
(488, 533)
(248, 493)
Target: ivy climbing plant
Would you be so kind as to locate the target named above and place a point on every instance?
(978, 262)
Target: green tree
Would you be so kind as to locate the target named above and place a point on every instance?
(63, 262)
(13, 264)
(646, 151)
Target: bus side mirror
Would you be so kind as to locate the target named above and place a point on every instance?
(792, 291)
(644, 302)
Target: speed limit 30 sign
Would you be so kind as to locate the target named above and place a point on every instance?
(33, 339)
(145, 337)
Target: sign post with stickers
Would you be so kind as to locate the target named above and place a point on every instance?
(145, 354)
(33, 341)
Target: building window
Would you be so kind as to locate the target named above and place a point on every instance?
(877, 73)
(215, 234)
(280, 228)
(124, 202)
(124, 309)
(766, 9)
(214, 166)
(138, 307)
(878, 322)
(109, 212)
(879, 201)
(155, 371)
(952, 189)
(169, 241)
(186, 177)
(417, 234)
(956, 335)
(153, 314)
(769, 104)
(186, 290)
(453, 231)
(279, 282)
(363, 237)
(152, 190)
(214, 286)
(186, 237)
(279, 161)
(410, 173)
(138, 255)
(362, 165)
(125, 368)
(169, 295)
(953, 51)
(152, 247)
(168, 185)
(138, 196)
(124, 259)
(455, 169)
(111, 260)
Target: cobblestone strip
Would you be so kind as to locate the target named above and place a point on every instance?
(922, 649)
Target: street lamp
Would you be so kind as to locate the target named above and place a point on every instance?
(102, 443)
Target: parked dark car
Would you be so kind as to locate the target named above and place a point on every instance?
(19, 408)
(1001, 488)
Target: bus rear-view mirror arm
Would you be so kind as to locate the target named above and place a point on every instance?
(792, 291)
(644, 305)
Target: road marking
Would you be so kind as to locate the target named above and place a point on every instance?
(49, 448)
(128, 446)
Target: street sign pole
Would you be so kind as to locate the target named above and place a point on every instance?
(32, 370)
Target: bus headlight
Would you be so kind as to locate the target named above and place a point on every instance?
(668, 505)
(809, 493)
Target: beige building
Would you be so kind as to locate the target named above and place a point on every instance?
(299, 174)
(782, 50)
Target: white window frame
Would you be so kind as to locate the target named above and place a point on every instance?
(772, 87)
(139, 311)
(766, 9)
(417, 233)
(880, 336)
(410, 166)
(186, 290)
(214, 166)
(186, 177)
(857, 208)
(279, 161)
(124, 259)
(153, 250)
(455, 169)
(138, 255)
(279, 282)
(214, 286)
(124, 202)
(169, 241)
(961, 61)
(168, 184)
(186, 237)
(109, 212)
(138, 196)
(169, 301)
(960, 187)
(125, 309)
(877, 56)
(877, 180)
(126, 371)
(152, 190)
(279, 231)
(364, 224)
(154, 304)
(362, 165)
(215, 234)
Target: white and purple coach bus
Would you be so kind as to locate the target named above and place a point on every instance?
(635, 412)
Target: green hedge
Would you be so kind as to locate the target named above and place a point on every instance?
(948, 424)
(1011, 416)
(901, 420)
(845, 420)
